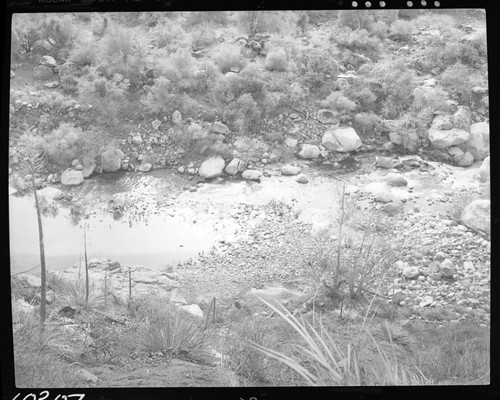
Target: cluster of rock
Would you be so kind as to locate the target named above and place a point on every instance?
(464, 142)
(46, 70)
(143, 280)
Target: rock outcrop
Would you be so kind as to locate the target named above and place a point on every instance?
(341, 139)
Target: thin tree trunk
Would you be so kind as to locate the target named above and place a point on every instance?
(86, 267)
(43, 296)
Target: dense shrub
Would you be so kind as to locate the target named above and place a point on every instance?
(170, 36)
(67, 142)
(320, 17)
(206, 75)
(202, 37)
(243, 114)
(317, 68)
(366, 122)
(355, 19)
(59, 32)
(338, 102)
(276, 60)
(432, 98)
(401, 31)
(379, 29)
(106, 95)
(459, 80)
(253, 22)
(441, 53)
(392, 83)
(228, 57)
(25, 32)
(360, 41)
(84, 54)
(360, 93)
(162, 97)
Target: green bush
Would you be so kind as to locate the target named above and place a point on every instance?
(243, 114)
(379, 29)
(253, 22)
(401, 31)
(360, 41)
(162, 97)
(459, 80)
(62, 144)
(276, 60)
(338, 102)
(361, 94)
(318, 69)
(68, 142)
(25, 32)
(170, 36)
(228, 57)
(392, 83)
(84, 54)
(59, 32)
(202, 38)
(355, 19)
(366, 122)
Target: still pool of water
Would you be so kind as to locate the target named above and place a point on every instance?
(163, 240)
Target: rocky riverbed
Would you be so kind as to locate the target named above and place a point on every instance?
(272, 231)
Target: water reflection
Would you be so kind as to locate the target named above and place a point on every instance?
(159, 240)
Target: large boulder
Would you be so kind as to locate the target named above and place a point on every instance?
(111, 159)
(447, 131)
(251, 175)
(48, 61)
(479, 142)
(484, 170)
(290, 170)
(193, 309)
(381, 191)
(396, 179)
(50, 193)
(71, 177)
(478, 215)
(89, 166)
(341, 139)
(42, 72)
(145, 167)
(309, 151)
(236, 165)
(464, 159)
(220, 128)
(212, 167)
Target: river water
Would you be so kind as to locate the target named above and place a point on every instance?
(158, 240)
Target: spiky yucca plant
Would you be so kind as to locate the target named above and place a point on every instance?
(177, 334)
(328, 365)
(393, 334)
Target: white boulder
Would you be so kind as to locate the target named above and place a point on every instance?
(479, 142)
(70, 177)
(309, 151)
(381, 191)
(478, 215)
(251, 175)
(341, 139)
(484, 170)
(211, 167)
